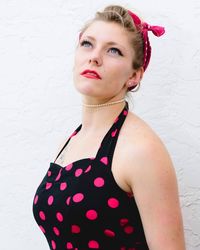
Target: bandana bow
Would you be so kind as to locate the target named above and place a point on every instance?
(144, 28)
(156, 30)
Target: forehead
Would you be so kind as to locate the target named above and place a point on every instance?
(108, 32)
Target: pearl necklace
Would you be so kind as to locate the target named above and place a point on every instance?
(103, 104)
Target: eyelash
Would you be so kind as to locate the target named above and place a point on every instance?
(86, 41)
(118, 51)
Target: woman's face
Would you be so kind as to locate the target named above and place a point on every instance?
(105, 48)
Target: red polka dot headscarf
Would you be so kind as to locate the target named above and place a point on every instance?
(144, 28)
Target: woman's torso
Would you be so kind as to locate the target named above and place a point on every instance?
(86, 205)
(131, 134)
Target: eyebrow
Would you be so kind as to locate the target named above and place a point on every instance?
(109, 43)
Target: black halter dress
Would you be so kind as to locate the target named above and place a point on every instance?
(80, 206)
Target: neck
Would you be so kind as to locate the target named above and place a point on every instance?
(103, 104)
(98, 118)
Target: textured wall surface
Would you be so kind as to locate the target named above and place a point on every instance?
(39, 106)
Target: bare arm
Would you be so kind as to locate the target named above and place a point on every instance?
(153, 182)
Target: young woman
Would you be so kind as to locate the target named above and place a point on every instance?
(112, 186)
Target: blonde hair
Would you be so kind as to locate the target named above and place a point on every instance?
(118, 14)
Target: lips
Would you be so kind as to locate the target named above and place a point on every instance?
(91, 74)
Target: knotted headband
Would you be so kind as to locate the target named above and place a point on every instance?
(144, 28)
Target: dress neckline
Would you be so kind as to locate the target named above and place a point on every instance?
(89, 159)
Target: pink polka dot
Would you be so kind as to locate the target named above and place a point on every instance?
(56, 231)
(78, 197)
(36, 199)
(93, 244)
(53, 244)
(99, 182)
(78, 172)
(104, 160)
(125, 112)
(69, 167)
(50, 200)
(130, 195)
(109, 233)
(43, 230)
(42, 215)
(128, 229)
(49, 173)
(68, 200)
(114, 133)
(69, 245)
(73, 134)
(48, 185)
(116, 119)
(75, 229)
(59, 175)
(88, 169)
(123, 221)
(91, 214)
(59, 216)
(113, 203)
(63, 186)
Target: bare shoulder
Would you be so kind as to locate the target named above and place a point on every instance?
(140, 135)
(145, 152)
(150, 176)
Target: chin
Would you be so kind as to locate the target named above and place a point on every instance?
(85, 89)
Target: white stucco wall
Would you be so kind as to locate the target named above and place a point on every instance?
(39, 106)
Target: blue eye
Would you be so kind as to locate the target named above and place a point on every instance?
(85, 42)
(116, 50)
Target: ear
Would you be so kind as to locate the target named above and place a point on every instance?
(136, 78)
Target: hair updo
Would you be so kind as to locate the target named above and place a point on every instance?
(118, 14)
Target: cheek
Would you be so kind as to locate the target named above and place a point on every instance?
(119, 71)
(79, 62)
(76, 61)
(77, 65)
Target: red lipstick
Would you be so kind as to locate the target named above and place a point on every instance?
(91, 74)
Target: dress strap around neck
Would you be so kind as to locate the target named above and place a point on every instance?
(69, 138)
(110, 139)
(107, 147)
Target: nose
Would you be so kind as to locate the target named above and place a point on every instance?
(95, 58)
